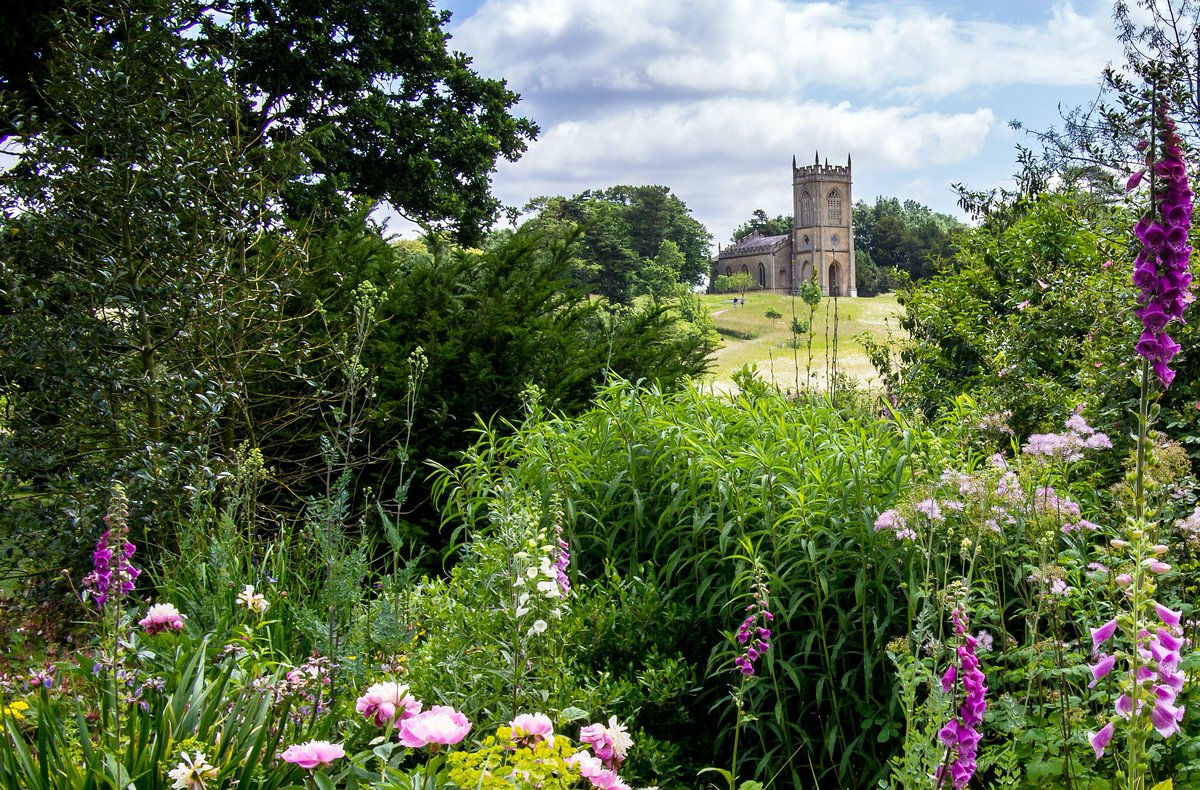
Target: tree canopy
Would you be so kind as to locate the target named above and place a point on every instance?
(633, 236)
(904, 237)
(384, 110)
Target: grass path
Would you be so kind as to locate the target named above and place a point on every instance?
(769, 343)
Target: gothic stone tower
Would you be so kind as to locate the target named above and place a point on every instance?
(823, 233)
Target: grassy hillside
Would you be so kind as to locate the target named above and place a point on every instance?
(750, 337)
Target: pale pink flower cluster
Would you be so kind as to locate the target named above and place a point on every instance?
(1068, 446)
(162, 617)
(892, 521)
(387, 704)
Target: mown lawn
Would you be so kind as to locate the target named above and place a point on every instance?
(769, 341)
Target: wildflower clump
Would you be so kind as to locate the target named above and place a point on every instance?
(253, 601)
(193, 772)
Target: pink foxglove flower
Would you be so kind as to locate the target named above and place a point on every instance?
(1102, 668)
(1099, 740)
(314, 753)
(1103, 633)
(440, 724)
(114, 575)
(961, 733)
(1161, 269)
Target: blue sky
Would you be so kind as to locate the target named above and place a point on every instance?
(713, 97)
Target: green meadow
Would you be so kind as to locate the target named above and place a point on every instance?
(749, 337)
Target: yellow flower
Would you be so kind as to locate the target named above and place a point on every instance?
(16, 709)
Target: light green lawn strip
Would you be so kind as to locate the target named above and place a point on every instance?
(770, 350)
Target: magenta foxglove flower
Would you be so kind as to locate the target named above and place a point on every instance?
(162, 617)
(1102, 668)
(440, 725)
(314, 753)
(961, 734)
(1161, 268)
(754, 632)
(1103, 633)
(1099, 740)
(387, 703)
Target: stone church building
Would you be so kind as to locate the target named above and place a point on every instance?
(821, 243)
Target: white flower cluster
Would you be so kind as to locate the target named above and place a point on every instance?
(535, 577)
(255, 602)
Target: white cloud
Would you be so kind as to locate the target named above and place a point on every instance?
(725, 157)
(757, 47)
(713, 97)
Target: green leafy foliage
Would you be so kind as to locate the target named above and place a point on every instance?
(899, 239)
(635, 239)
(673, 483)
(384, 109)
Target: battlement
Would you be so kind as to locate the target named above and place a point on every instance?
(817, 170)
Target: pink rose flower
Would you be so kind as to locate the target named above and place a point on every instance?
(309, 755)
(440, 724)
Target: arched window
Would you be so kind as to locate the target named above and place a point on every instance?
(806, 210)
(745, 269)
(762, 276)
(834, 205)
(804, 243)
(728, 271)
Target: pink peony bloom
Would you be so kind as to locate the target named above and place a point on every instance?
(162, 617)
(1099, 740)
(440, 724)
(309, 755)
(388, 703)
(587, 764)
(533, 726)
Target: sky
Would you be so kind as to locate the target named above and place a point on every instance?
(713, 98)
